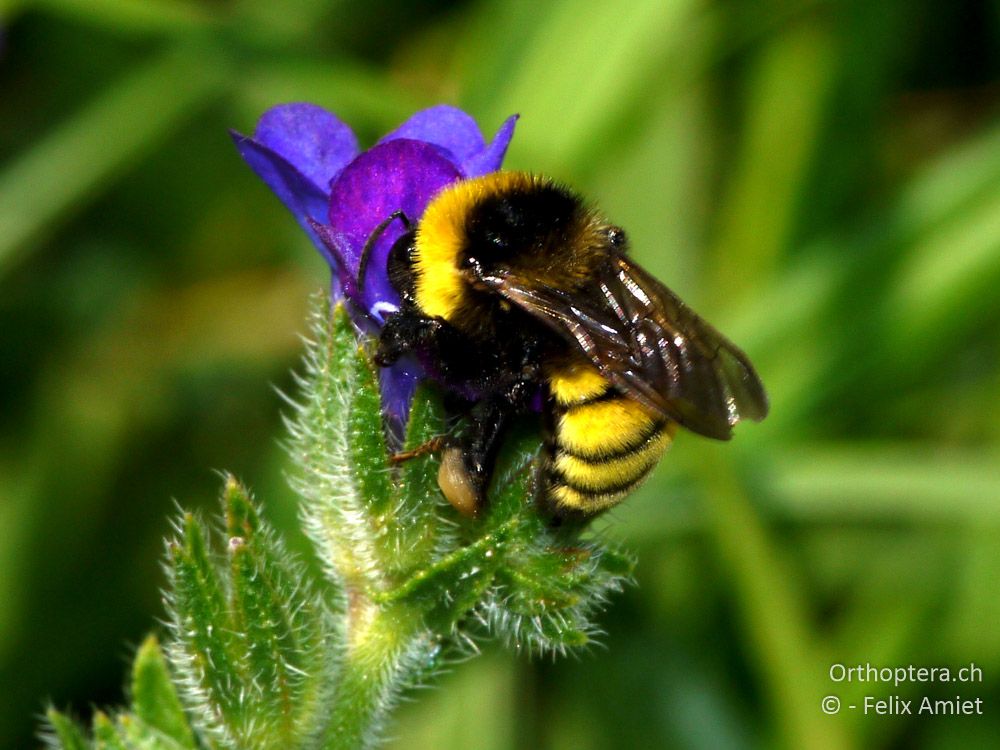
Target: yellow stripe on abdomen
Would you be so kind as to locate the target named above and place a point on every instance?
(602, 475)
(603, 446)
(602, 428)
(576, 384)
(564, 498)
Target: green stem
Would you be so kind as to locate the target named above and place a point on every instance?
(387, 647)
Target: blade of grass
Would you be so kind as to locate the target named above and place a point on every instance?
(618, 54)
(72, 163)
(970, 628)
(880, 635)
(774, 614)
(947, 184)
(787, 93)
(825, 483)
(879, 482)
(942, 190)
(666, 166)
(948, 280)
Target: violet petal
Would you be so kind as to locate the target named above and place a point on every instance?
(399, 175)
(302, 196)
(398, 384)
(311, 139)
(444, 126)
(490, 158)
(343, 280)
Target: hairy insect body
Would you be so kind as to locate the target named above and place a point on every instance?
(517, 296)
(602, 444)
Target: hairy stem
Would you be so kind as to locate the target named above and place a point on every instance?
(387, 647)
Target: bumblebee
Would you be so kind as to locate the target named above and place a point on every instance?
(515, 295)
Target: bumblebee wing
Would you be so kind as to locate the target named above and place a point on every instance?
(701, 373)
(652, 346)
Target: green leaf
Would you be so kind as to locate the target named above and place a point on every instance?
(67, 733)
(254, 647)
(368, 452)
(422, 535)
(336, 513)
(446, 590)
(289, 643)
(206, 651)
(548, 587)
(106, 735)
(154, 697)
(159, 722)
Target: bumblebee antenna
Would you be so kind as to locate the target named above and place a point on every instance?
(366, 251)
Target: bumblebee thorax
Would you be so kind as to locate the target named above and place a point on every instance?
(504, 221)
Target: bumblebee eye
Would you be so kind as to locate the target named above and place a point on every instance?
(616, 237)
(471, 263)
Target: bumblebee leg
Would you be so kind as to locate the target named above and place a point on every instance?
(408, 331)
(490, 418)
(433, 445)
(479, 453)
(466, 464)
(454, 479)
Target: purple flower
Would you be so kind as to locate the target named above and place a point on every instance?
(310, 159)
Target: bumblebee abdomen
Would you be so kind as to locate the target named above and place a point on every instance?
(603, 444)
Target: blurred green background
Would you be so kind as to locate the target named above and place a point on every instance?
(821, 179)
